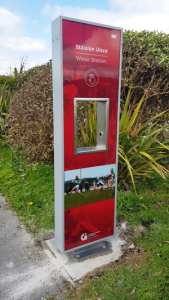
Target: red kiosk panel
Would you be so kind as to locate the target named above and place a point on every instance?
(91, 63)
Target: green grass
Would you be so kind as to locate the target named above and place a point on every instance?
(23, 184)
(151, 281)
(75, 200)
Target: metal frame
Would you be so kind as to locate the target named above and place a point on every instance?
(100, 147)
(118, 120)
(57, 72)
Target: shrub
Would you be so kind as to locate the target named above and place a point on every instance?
(31, 115)
(140, 151)
(8, 80)
(5, 97)
(144, 70)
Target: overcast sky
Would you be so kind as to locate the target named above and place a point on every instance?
(25, 26)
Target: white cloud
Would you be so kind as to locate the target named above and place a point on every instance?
(47, 9)
(5, 63)
(132, 14)
(23, 44)
(142, 6)
(139, 15)
(8, 63)
(11, 35)
(9, 22)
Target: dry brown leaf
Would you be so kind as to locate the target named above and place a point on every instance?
(137, 266)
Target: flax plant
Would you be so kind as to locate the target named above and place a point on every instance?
(5, 97)
(87, 134)
(139, 149)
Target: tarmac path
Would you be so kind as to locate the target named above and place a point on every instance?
(27, 272)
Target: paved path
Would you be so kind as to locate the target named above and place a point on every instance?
(27, 272)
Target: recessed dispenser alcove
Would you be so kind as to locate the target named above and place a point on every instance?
(95, 124)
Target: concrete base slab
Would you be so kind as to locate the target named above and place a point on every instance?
(77, 269)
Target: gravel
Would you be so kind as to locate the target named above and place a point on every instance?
(27, 272)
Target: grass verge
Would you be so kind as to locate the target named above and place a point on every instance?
(140, 277)
(29, 190)
(147, 281)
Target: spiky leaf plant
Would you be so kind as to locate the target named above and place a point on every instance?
(5, 96)
(87, 129)
(139, 149)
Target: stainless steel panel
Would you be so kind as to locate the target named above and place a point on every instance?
(118, 120)
(57, 69)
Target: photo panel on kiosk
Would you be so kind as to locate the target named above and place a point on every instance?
(86, 59)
